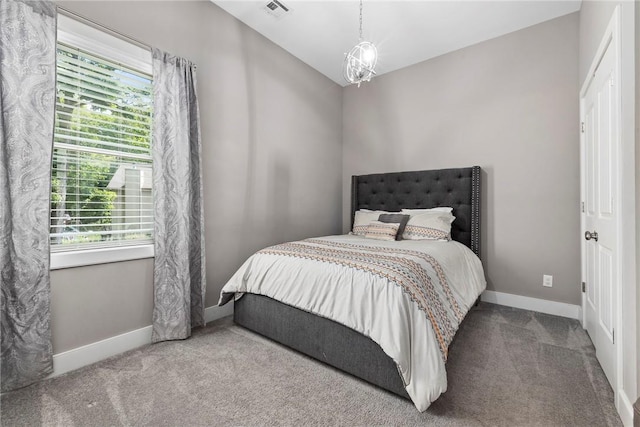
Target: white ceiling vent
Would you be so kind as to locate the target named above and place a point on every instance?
(277, 9)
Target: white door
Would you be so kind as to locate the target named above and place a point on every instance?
(601, 217)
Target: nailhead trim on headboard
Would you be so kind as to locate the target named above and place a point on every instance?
(458, 188)
(475, 209)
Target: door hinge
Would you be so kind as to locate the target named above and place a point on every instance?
(582, 127)
(582, 206)
(584, 287)
(613, 335)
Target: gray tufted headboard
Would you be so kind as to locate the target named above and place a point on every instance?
(458, 188)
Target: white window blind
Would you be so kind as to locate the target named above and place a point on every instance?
(101, 176)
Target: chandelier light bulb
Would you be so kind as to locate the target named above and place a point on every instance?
(369, 55)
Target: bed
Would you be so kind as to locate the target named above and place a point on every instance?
(367, 349)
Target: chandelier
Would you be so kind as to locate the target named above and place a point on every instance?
(360, 61)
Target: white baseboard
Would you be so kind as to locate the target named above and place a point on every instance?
(534, 304)
(214, 312)
(625, 408)
(97, 351)
(91, 353)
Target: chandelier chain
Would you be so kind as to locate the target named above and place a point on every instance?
(360, 20)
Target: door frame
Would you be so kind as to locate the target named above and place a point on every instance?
(625, 332)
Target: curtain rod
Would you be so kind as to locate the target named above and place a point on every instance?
(101, 27)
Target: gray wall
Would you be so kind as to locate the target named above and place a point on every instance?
(92, 303)
(594, 18)
(509, 105)
(272, 157)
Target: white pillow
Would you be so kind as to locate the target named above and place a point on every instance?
(419, 211)
(434, 225)
(362, 219)
(413, 212)
(382, 230)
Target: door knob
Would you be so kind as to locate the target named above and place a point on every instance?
(588, 235)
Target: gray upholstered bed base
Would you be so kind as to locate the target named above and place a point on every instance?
(338, 345)
(320, 338)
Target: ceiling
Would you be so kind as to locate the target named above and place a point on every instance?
(404, 31)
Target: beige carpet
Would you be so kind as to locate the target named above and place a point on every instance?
(507, 367)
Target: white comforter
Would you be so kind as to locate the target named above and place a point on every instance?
(371, 303)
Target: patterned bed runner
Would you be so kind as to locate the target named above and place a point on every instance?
(418, 274)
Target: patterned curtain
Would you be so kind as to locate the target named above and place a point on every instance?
(27, 107)
(179, 268)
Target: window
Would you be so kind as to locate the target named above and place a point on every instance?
(101, 191)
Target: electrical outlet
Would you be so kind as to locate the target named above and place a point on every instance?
(547, 281)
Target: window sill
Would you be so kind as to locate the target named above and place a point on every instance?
(60, 260)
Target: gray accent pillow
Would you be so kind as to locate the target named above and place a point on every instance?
(396, 219)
